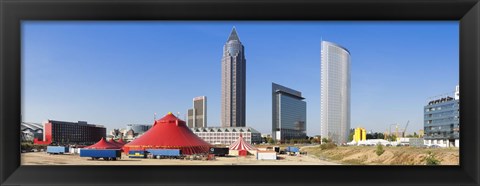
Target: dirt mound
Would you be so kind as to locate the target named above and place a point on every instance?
(359, 155)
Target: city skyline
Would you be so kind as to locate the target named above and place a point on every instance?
(279, 49)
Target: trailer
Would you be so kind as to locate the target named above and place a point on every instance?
(57, 150)
(137, 154)
(266, 155)
(219, 151)
(165, 153)
(292, 149)
(105, 154)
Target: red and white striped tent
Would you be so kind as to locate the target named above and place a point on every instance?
(240, 144)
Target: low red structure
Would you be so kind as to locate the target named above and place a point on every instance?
(116, 143)
(121, 141)
(103, 144)
(169, 132)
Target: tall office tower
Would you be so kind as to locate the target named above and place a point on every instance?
(289, 113)
(197, 116)
(335, 92)
(233, 82)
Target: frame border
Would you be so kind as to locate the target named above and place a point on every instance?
(12, 12)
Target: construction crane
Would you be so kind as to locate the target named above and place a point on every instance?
(405, 129)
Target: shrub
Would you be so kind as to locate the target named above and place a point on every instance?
(431, 159)
(326, 140)
(379, 149)
(26, 146)
(328, 145)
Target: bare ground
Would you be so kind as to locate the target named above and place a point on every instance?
(366, 155)
(42, 158)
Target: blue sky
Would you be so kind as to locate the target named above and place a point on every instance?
(115, 73)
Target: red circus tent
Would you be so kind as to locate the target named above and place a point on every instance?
(240, 144)
(121, 141)
(169, 132)
(116, 143)
(103, 144)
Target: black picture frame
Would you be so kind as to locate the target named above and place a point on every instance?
(12, 12)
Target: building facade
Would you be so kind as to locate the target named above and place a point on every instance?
(227, 135)
(233, 82)
(63, 132)
(30, 131)
(335, 92)
(130, 132)
(289, 114)
(442, 121)
(197, 116)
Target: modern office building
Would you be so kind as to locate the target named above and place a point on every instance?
(130, 132)
(197, 116)
(442, 121)
(289, 114)
(233, 82)
(30, 131)
(227, 135)
(335, 92)
(63, 132)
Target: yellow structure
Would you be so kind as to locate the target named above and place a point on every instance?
(360, 134)
(420, 133)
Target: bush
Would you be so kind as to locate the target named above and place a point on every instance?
(326, 140)
(271, 141)
(431, 159)
(379, 149)
(328, 145)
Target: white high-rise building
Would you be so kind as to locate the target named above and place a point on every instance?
(335, 92)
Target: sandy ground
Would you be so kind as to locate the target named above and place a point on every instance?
(354, 155)
(42, 158)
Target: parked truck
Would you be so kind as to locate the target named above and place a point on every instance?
(105, 154)
(137, 154)
(219, 151)
(57, 150)
(292, 149)
(165, 153)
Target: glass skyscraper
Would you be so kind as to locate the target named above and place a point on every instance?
(289, 113)
(442, 121)
(233, 82)
(335, 92)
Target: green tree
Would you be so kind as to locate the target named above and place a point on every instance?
(326, 140)
(379, 151)
(350, 136)
(271, 141)
(392, 137)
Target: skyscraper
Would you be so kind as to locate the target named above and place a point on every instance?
(289, 113)
(197, 116)
(233, 82)
(335, 92)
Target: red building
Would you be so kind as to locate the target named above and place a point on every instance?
(63, 132)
